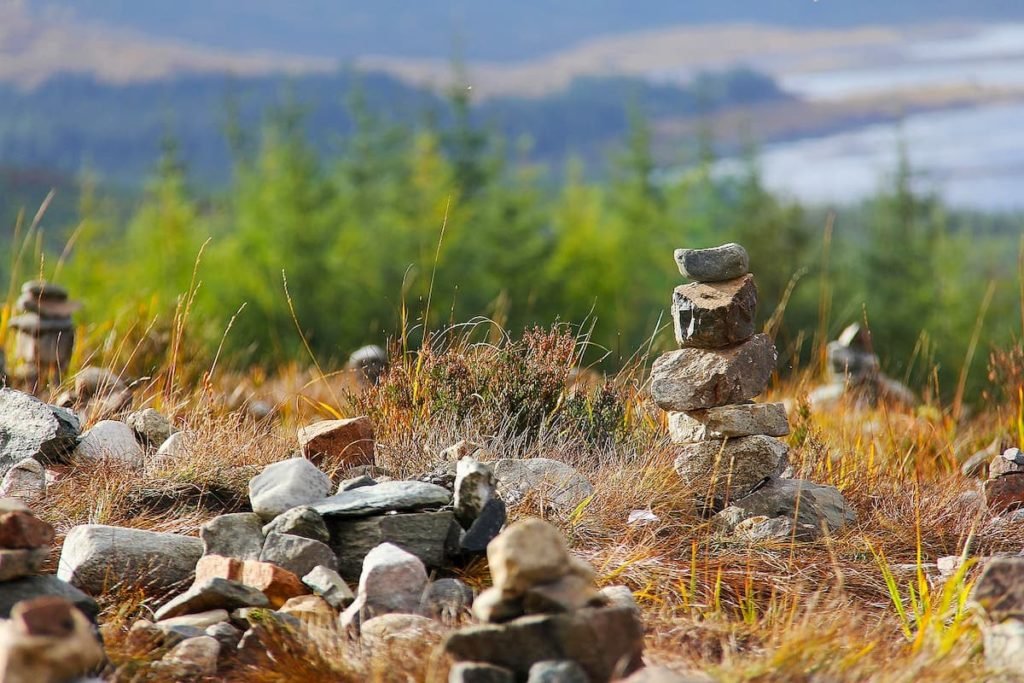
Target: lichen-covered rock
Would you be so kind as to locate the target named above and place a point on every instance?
(729, 421)
(716, 264)
(809, 505)
(732, 468)
(713, 315)
(697, 379)
(239, 535)
(30, 428)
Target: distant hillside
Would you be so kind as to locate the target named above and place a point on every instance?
(72, 122)
(487, 30)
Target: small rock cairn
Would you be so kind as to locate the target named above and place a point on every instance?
(727, 445)
(46, 632)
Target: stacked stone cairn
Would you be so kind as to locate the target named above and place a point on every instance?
(543, 619)
(854, 371)
(728, 450)
(47, 633)
(45, 332)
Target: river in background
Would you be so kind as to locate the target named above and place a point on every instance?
(974, 157)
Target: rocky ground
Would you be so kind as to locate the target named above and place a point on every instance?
(488, 512)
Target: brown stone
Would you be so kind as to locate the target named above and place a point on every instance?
(697, 379)
(20, 529)
(1005, 493)
(46, 616)
(1000, 588)
(278, 584)
(343, 442)
(711, 315)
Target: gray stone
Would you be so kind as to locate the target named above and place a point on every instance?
(1000, 589)
(110, 440)
(388, 496)
(392, 581)
(200, 620)
(713, 315)
(761, 528)
(475, 672)
(356, 483)
(177, 445)
(604, 641)
(697, 379)
(92, 382)
(808, 504)
(21, 562)
(716, 264)
(25, 481)
(527, 553)
(96, 557)
(284, 485)
(301, 521)
(150, 426)
(422, 534)
(329, 585)
(485, 528)
(557, 671)
(239, 535)
(474, 486)
(297, 554)
(224, 633)
(446, 600)
(1004, 646)
(213, 594)
(620, 596)
(744, 419)
(726, 520)
(555, 483)
(194, 657)
(45, 585)
(567, 594)
(1009, 462)
(731, 468)
(30, 428)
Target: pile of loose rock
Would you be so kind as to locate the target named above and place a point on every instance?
(727, 446)
(543, 619)
(46, 628)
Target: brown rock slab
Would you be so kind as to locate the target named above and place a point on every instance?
(20, 529)
(342, 442)
(1005, 493)
(711, 315)
(16, 564)
(1000, 588)
(697, 379)
(278, 584)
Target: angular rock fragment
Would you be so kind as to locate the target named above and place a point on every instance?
(297, 554)
(1005, 493)
(726, 262)
(25, 481)
(30, 428)
(423, 534)
(389, 496)
(341, 442)
(1000, 589)
(808, 504)
(150, 426)
(731, 468)
(728, 421)
(714, 315)
(210, 595)
(301, 521)
(239, 535)
(474, 487)
(697, 379)
(552, 481)
(277, 583)
(392, 580)
(329, 585)
(284, 485)
(110, 440)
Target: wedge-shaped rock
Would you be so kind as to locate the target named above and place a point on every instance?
(605, 642)
(213, 594)
(339, 442)
(726, 262)
(732, 468)
(711, 315)
(808, 504)
(696, 379)
(389, 496)
(745, 419)
(31, 428)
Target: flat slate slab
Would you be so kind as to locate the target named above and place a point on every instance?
(389, 496)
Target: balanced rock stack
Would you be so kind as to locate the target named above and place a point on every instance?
(543, 619)
(727, 445)
(46, 628)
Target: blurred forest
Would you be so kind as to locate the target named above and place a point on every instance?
(448, 213)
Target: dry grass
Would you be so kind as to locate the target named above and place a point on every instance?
(862, 605)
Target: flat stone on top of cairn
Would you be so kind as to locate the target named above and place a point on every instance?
(726, 262)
